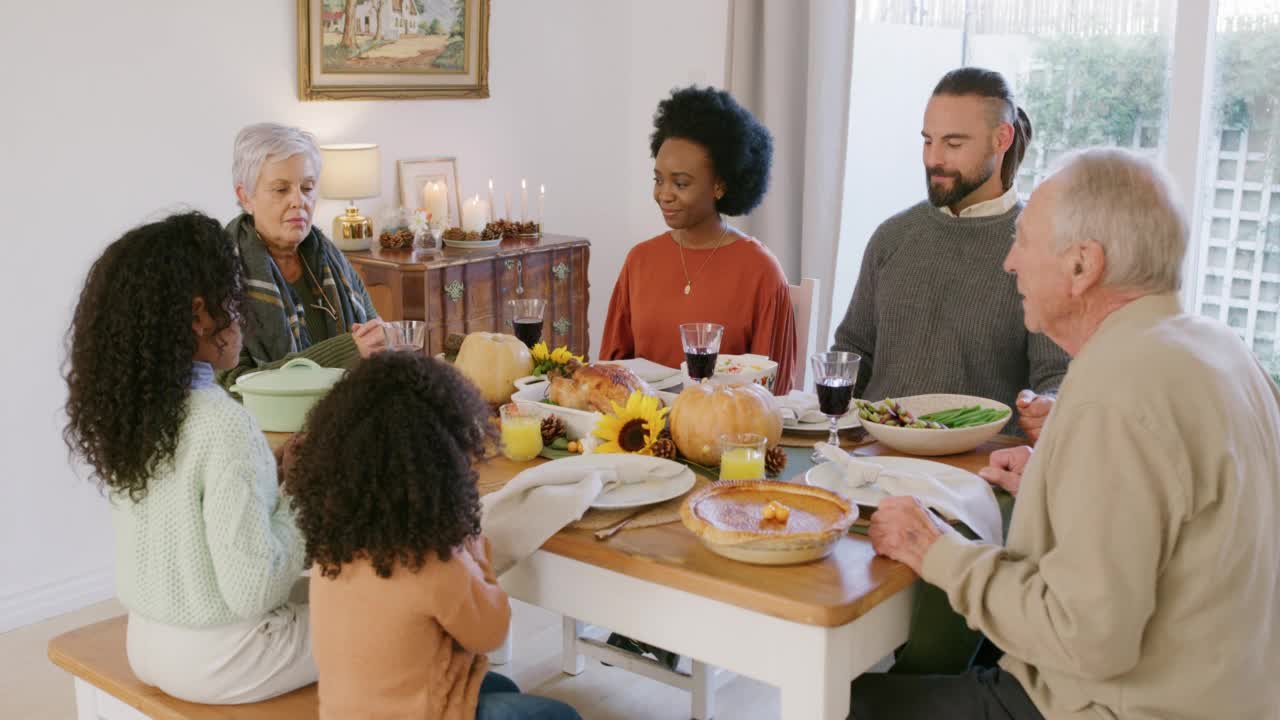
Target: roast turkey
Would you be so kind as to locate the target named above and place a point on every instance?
(595, 387)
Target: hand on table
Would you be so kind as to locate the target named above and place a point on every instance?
(1005, 467)
(903, 529)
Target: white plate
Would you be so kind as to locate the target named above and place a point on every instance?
(663, 479)
(830, 476)
(473, 244)
(846, 422)
(642, 367)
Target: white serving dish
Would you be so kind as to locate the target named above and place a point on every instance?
(916, 441)
(280, 399)
(578, 423)
(739, 370)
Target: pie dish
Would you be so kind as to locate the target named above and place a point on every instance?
(731, 520)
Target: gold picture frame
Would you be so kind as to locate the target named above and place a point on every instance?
(412, 174)
(393, 49)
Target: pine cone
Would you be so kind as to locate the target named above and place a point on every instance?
(406, 237)
(665, 433)
(552, 428)
(663, 448)
(453, 233)
(775, 460)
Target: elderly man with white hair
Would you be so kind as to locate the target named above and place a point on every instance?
(1141, 576)
(303, 298)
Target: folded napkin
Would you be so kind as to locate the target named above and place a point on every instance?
(536, 504)
(647, 370)
(968, 499)
(800, 406)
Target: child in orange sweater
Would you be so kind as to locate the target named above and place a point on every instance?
(404, 601)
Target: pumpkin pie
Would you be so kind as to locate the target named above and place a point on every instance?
(768, 522)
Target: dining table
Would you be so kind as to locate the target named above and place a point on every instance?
(806, 629)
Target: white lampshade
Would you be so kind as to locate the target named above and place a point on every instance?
(350, 171)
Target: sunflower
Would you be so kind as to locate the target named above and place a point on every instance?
(634, 428)
(562, 356)
(540, 353)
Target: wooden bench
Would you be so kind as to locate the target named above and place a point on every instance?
(107, 689)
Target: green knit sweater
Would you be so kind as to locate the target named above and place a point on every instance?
(212, 542)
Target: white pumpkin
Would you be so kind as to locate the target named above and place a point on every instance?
(493, 362)
(705, 411)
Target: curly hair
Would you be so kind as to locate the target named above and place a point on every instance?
(386, 468)
(131, 344)
(740, 147)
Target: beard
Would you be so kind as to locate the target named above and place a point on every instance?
(963, 186)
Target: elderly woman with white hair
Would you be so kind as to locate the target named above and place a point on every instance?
(1141, 575)
(303, 298)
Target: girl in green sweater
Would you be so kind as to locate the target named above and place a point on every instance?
(207, 551)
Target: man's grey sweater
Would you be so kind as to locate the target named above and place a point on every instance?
(935, 312)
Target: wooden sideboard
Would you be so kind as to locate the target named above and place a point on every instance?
(462, 291)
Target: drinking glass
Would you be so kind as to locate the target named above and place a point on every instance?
(405, 335)
(835, 374)
(521, 432)
(701, 348)
(526, 319)
(742, 456)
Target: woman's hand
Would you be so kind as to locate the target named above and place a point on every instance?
(1005, 467)
(369, 337)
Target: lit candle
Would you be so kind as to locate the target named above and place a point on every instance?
(491, 205)
(436, 202)
(524, 202)
(474, 212)
(542, 195)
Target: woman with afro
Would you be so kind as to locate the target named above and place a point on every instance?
(403, 594)
(207, 551)
(711, 159)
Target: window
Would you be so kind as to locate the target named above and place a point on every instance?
(1239, 183)
(1086, 76)
(1103, 72)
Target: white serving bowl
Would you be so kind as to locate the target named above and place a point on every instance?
(922, 441)
(739, 370)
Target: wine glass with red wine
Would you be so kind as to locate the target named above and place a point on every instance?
(701, 348)
(835, 374)
(526, 319)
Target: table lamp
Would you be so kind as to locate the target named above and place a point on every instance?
(350, 172)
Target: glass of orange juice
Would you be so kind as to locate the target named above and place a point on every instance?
(742, 456)
(521, 432)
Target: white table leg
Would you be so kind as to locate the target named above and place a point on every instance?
(572, 662)
(502, 655)
(824, 696)
(704, 691)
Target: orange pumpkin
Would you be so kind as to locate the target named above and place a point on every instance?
(705, 411)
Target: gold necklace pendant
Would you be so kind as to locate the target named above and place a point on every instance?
(688, 287)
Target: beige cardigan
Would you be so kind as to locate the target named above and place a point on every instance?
(1141, 571)
(408, 646)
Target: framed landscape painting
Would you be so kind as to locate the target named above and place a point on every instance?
(387, 49)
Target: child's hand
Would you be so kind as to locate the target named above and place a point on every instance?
(479, 549)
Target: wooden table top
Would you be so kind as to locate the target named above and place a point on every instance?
(828, 593)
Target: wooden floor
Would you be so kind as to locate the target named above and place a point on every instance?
(32, 688)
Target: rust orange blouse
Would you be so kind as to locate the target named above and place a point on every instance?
(742, 288)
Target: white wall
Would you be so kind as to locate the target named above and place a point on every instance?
(121, 113)
(894, 70)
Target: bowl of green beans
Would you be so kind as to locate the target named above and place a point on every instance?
(937, 424)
